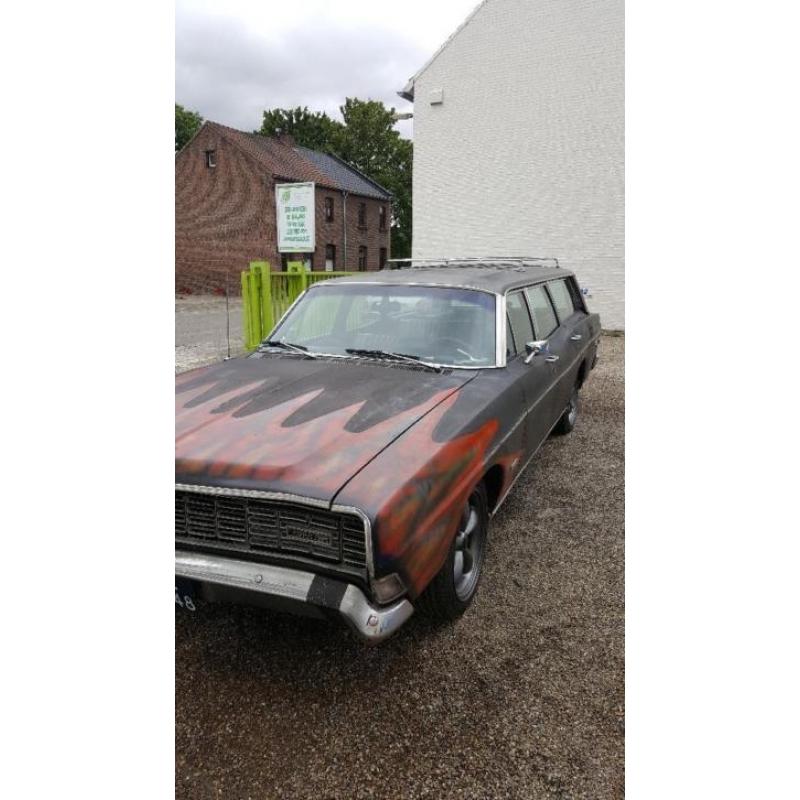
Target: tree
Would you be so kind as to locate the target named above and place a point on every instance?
(371, 144)
(399, 184)
(368, 141)
(187, 123)
(315, 130)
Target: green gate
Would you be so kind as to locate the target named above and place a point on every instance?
(266, 296)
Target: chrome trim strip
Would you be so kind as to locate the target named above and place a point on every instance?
(258, 494)
(286, 497)
(501, 346)
(372, 623)
(367, 535)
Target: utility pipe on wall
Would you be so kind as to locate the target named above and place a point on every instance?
(344, 227)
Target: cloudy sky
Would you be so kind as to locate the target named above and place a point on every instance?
(234, 58)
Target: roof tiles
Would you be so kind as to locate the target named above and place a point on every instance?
(297, 163)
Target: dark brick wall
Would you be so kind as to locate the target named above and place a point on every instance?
(332, 232)
(220, 214)
(225, 218)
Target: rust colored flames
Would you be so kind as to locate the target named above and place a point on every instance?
(316, 457)
(419, 514)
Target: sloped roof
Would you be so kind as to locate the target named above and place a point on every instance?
(346, 177)
(297, 163)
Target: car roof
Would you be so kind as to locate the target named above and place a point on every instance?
(497, 277)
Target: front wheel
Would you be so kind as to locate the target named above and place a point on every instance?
(450, 593)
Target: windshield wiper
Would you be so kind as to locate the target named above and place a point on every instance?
(295, 348)
(404, 357)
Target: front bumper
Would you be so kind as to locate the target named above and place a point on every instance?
(372, 623)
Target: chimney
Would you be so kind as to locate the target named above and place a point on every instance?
(286, 138)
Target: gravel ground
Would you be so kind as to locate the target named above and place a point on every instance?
(522, 698)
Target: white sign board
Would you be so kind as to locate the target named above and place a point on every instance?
(294, 204)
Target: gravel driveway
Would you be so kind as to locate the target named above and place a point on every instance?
(523, 698)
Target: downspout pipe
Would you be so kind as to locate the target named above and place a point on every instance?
(344, 226)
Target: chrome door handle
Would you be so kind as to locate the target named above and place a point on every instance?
(576, 337)
(551, 359)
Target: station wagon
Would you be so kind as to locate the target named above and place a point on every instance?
(351, 465)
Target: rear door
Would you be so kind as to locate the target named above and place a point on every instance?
(573, 331)
(572, 317)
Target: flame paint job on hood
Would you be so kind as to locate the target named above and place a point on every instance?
(295, 425)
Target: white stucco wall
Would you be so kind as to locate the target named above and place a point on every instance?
(525, 156)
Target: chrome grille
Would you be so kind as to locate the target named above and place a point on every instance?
(269, 526)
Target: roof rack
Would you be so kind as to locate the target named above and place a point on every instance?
(488, 262)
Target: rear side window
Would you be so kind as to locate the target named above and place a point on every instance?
(544, 318)
(575, 294)
(519, 320)
(562, 299)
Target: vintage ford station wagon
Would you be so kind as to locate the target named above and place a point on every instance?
(349, 467)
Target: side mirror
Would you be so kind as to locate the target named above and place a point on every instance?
(534, 348)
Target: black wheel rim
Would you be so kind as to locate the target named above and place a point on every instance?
(470, 547)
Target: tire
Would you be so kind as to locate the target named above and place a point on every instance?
(452, 591)
(570, 415)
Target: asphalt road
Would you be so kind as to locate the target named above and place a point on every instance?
(522, 698)
(202, 328)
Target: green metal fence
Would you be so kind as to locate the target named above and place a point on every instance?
(266, 295)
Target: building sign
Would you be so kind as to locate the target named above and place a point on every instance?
(294, 204)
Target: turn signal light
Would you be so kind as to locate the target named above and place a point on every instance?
(388, 588)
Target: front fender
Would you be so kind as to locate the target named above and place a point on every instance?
(414, 492)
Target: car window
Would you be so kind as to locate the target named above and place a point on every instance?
(519, 320)
(544, 318)
(365, 309)
(575, 294)
(322, 322)
(562, 300)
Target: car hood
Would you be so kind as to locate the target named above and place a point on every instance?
(295, 425)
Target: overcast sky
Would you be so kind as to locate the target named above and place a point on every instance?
(235, 58)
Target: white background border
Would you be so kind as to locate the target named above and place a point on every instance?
(711, 431)
(712, 338)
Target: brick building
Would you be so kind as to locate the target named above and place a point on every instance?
(225, 212)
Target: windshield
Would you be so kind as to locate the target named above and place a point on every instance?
(454, 327)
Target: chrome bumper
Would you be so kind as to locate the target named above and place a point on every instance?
(371, 623)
